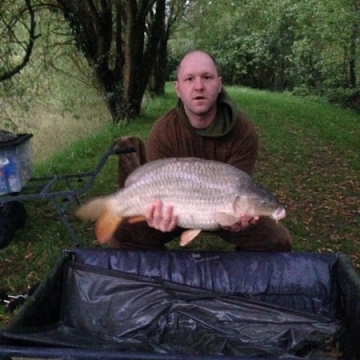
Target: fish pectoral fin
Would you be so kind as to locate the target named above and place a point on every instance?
(225, 219)
(106, 225)
(136, 218)
(188, 235)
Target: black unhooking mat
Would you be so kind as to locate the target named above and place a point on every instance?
(192, 305)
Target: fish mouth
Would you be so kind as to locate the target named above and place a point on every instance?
(279, 213)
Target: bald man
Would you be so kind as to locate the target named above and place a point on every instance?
(205, 124)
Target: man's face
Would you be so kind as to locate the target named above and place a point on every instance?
(198, 84)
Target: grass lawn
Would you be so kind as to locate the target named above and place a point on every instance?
(309, 158)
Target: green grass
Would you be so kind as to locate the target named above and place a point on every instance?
(309, 158)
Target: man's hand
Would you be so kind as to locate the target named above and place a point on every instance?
(159, 218)
(243, 223)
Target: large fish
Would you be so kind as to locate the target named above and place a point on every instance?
(205, 195)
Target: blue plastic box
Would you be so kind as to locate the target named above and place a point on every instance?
(15, 164)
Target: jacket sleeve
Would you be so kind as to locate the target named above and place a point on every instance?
(159, 144)
(244, 146)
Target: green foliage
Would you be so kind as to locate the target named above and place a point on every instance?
(56, 77)
(277, 45)
(304, 46)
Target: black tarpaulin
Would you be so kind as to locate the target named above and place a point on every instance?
(304, 282)
(153, 314)
(194, 304)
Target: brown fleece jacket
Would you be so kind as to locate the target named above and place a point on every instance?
(231, 139)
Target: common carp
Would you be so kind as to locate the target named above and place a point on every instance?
(204, 194)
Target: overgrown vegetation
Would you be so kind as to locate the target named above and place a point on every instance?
(309, 158)
(303, 46)
(308, 47)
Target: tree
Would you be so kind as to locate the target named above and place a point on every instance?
(119, 40)
(304, 46)
(353, 43)
(174, 10)
(17, 34)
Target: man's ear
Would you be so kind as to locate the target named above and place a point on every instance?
(176, 86)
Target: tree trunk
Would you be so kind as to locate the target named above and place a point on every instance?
(140, 57)
(158, 76)
(353, 46)
(352, 64)
(111, 35)
(174, 10)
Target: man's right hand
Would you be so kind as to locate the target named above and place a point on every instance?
(160, 218)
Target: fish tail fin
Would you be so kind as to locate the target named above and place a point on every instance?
(106, 225)
(99, 210)
(93, 209)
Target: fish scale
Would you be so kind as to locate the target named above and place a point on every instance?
(204, 194)
(199, 212)
(183, 187)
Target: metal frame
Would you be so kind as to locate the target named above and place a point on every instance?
(45, 188)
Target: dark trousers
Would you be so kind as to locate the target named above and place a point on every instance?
(266, 235)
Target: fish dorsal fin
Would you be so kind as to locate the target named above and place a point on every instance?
(189, 235)
(225, 219)
(106, 225)
(136, 219)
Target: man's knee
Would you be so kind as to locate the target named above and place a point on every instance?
(284, 239)
(266, 235)
(274, 235)
(139, 236)
(281, 244)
